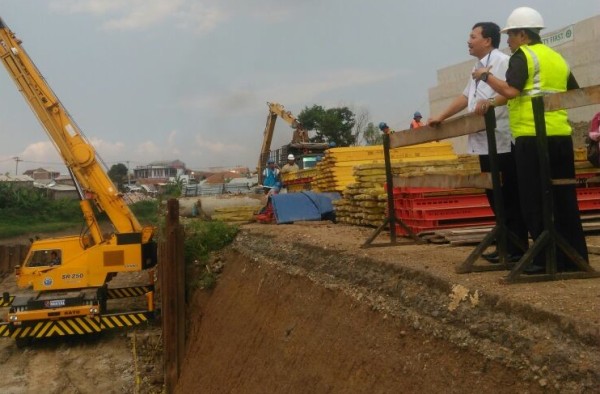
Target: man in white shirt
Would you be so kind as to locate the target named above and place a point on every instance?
(291, 165)
(477, 97)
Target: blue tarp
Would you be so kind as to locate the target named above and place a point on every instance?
(292, 207)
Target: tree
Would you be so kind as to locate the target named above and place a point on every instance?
(362, 120)
(372, 135)
(310, 118)
(118, 174)
(333, 125)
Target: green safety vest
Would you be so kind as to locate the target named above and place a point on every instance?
(548, 72)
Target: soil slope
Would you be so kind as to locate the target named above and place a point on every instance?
(301, 308)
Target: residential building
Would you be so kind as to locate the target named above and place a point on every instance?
(159, 171)
(42, 174)
(18, 182)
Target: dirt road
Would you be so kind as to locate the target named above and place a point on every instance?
(75, 365)
(113, 362)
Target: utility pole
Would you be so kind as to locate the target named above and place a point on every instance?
(128, 174)
(17, 160)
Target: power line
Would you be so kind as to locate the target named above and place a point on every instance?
(17, 160)
(32, 161)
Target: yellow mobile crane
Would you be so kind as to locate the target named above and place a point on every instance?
(300, 146)
(65, 279)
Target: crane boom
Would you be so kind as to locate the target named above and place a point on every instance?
(77, 153)
(306, 153)
(71, 274)
(275, 110)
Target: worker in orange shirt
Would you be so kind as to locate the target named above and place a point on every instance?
(416, 122)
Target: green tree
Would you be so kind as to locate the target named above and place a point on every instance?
(333, 125)
(118, 174)
(311, 117)
(372, 135)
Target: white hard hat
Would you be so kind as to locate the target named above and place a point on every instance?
(524, 18)
(291, 157)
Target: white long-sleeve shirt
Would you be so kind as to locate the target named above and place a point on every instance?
(475, 91)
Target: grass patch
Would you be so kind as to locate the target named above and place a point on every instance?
(202, 238)
(146, 212)
(49, 216)
(46, 219)
(15, 229)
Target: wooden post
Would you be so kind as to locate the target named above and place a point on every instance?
(500, 232)
(180, 289)
(172, 273)
(13, 256)
(4, 263)
(391, 220)
(390, 187)
(549, 239)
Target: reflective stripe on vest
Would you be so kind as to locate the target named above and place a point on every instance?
(547, 72)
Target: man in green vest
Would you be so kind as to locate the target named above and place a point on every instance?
(535, 69)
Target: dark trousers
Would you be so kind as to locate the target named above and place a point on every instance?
(510, 197)
(566, 211)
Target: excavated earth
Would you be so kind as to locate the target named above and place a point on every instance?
(302, 308)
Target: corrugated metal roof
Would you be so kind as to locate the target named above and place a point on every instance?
(18, 178)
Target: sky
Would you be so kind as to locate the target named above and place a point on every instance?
(150, 80)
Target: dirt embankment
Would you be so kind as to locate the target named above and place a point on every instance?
(303, 309)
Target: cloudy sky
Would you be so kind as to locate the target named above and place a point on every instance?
(189, 79)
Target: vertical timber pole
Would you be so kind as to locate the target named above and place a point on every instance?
(173, 296)
(4, 260)
(500, 232)
(13, 256)
(181, 286)
(499, 212)
(390, 187)
(537, 104)
(391, 218)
